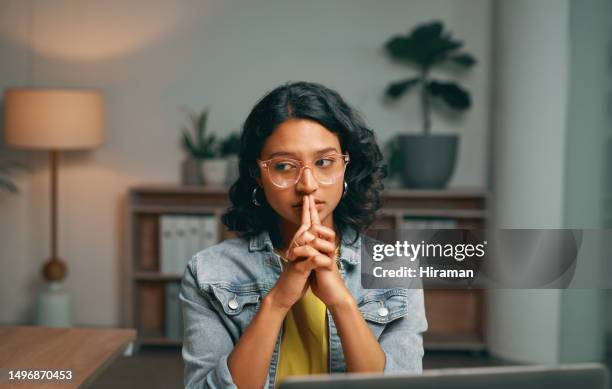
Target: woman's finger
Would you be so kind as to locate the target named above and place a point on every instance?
(304, 227)
(306, 211)
(300, 241)
(323, 232)
(323, 246)
(315, 262)
(304, 251)
(305, 238)
(314, 214)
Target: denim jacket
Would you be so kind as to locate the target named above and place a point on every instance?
(223, 287)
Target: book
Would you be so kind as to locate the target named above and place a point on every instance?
(425, 223)
(173, 314)
(151, 301)
(193, 238)
(148, 253)
(168, 241)
(181, 252)
(181, 237)
(209, 231)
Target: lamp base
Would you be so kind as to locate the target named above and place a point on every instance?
(54, 306)
(55, 270)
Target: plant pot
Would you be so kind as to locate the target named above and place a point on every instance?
(214, 171)
(232, 170)
(428, 160)
(191, 171)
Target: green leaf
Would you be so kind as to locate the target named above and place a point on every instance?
(188, 143)
(8, 185)
(397, 89)
(451, 93)
(463, 59)
(202, 122)
(426, 45)
(394, 156)
(230, 145)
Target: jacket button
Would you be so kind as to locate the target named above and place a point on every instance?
(233, 304)
(383, 311)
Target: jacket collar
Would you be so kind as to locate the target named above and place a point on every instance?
(349, 253)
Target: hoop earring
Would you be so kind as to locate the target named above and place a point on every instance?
(345, 189)
(254, 198)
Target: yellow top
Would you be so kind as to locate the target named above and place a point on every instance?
(304, 346)
(303, 349)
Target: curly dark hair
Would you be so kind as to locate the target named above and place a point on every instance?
(306, 100)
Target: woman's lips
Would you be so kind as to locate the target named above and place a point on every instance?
(318, 205)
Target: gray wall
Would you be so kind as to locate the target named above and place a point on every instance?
(588, 178)
(529, 126)
(150, 58)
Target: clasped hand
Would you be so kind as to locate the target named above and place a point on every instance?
(311, 263)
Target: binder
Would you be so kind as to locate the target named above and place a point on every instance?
(167, 250)
(173, 314)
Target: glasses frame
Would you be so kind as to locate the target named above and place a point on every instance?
(265, 164)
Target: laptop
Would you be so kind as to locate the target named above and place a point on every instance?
(570, 376)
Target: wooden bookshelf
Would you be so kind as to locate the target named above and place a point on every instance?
(455, 317)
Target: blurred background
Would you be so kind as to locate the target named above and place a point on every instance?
(520, 106)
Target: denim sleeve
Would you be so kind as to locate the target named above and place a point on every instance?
(206, 341)
(402, 339)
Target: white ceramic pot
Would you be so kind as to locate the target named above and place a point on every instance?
(214, 171)
(191, 171)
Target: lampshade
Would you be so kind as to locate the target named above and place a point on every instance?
(53, 119)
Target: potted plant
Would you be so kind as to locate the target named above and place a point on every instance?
(230, 147)
(6, 183)
(429, 160)
(394, 161)
(202, 165)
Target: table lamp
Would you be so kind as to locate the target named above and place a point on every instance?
(53, 120)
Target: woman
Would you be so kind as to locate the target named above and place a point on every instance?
(285, 298)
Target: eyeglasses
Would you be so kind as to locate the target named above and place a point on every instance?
(285, 172)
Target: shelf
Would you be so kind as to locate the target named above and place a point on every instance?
(184, 209)
(456, 317)
(450, 193)
(453, 342)
(436, 212)
(179, 189)
(155, 276)
(159, 341)
(462, 192)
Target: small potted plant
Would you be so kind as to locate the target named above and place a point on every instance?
(230, 147)
(429, 160)
(202, 165)
(6, 182)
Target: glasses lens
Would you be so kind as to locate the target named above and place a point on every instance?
(328, 169)
(283, 172)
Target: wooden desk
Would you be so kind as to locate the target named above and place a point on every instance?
(84, 351)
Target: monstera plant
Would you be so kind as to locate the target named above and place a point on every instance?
(428, 159)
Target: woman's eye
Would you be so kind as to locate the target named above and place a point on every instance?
(324, 162)
(284, 166)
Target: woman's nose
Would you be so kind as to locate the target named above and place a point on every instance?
(307, 182)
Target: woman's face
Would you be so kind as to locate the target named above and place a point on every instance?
(307, 141)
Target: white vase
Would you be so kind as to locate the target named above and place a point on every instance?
(214, 171)
(191, 171)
